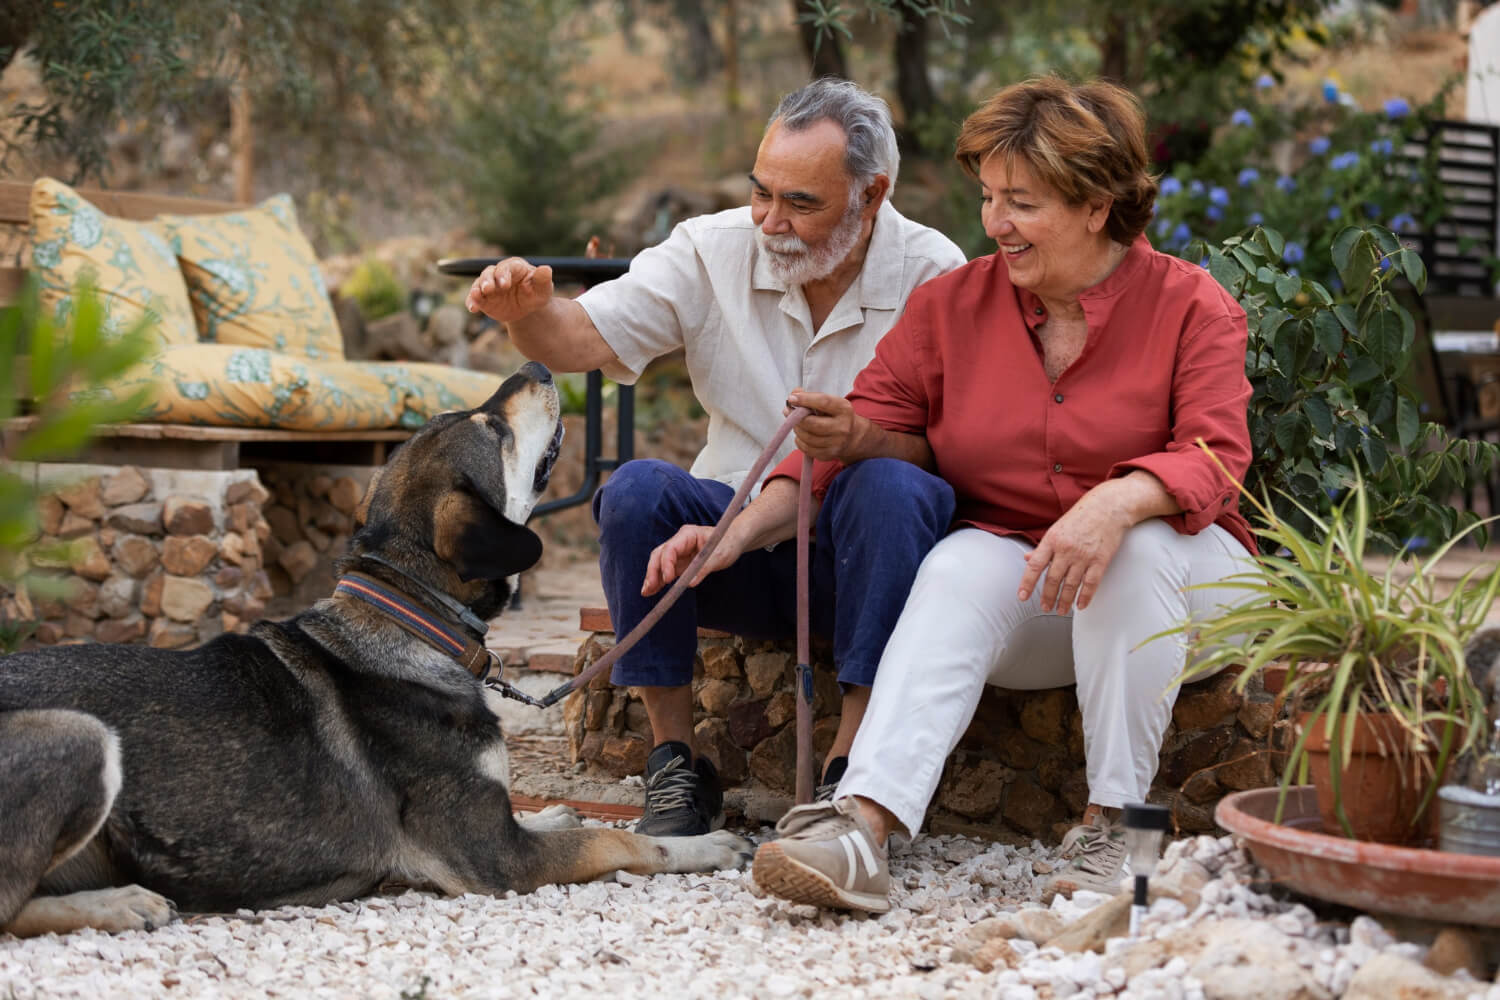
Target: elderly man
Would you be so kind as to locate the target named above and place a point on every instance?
(793, 291)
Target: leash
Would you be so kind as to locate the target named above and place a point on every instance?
(804, 683)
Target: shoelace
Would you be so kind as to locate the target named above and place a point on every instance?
(814, 821)
(672, 787)
(824, 793)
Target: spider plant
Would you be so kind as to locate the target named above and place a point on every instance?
(1353, 639)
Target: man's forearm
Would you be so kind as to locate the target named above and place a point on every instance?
(772, 516)
(561, 336)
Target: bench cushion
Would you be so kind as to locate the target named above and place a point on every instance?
(255, 280)
(130, 263)
(224, 385)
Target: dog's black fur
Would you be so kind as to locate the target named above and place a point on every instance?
(315, 758)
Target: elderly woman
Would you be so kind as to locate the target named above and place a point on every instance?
(1060, 385)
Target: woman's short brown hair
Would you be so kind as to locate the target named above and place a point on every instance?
(1087, 141)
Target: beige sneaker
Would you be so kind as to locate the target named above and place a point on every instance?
(1096, 860)
(826, 856)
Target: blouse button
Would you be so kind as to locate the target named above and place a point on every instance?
(1058, 397)
(1039, 310)
(1057, 467)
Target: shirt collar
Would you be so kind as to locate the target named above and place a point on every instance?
(1097, 299)
(878, 285)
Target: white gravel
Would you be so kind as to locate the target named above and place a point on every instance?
(669, 935)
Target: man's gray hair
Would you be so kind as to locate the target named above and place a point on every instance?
(870, 141)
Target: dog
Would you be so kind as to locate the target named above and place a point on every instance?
(316, 758)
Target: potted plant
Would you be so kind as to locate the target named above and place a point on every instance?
(1374, 660)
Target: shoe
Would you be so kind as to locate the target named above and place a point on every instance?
(826, 856)
(1096, 860)
(832, 775)
(681, 801)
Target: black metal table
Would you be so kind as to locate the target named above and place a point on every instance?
(586, 271)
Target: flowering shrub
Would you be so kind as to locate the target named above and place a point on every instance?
(1307, 170)
(1328, 408)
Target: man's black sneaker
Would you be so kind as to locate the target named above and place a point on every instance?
(681, 800)
(832, 775)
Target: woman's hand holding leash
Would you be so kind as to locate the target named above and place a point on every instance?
(829, 432)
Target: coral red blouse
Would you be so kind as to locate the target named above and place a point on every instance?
(1164, 365)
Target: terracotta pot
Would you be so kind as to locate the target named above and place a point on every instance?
(1382, 783)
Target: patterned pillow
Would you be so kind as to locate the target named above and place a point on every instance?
(225, 385)
(422, 391)
(255, 280)
(131, 263)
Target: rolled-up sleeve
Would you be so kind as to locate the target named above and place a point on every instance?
(1210, 397)
(642, 314)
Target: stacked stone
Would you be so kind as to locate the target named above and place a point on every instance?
(311, 517)
(1019, 768)
(136, 557)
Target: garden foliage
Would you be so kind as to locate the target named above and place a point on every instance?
(1329, 407)
(1307, 168)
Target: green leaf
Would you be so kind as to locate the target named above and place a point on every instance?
(1343, 249)
(1410, 263)
(1408, 422)
(1329, 333)
(1319, 415)
(1287, 287)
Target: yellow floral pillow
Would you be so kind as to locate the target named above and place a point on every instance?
(255, 280)
(131, 263)
(422, 391)
(229, 386)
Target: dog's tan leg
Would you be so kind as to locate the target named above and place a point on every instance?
(550, 819)
(582, 855)
(59, 774)
(124, 908)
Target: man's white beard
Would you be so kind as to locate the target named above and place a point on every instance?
(796, 263)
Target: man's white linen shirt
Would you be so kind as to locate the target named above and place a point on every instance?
(748, 336)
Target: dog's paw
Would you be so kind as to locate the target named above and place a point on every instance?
(125, 908)
(554, 817)
(734, 851)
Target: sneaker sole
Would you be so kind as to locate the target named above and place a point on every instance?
(790, 879)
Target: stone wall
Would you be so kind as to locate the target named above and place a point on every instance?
(159, 556)
(1018, 770)
(173, 558)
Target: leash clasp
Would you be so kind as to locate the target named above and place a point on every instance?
(494, 678)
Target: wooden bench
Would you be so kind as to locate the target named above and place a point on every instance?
(177, 446)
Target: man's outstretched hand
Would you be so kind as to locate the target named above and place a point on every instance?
(510, 290)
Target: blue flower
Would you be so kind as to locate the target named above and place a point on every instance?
(1163, 226)
(1330, 91)
(1203, 263)
(1248, 176)
(1214, 212)
(1337, 286)
(1293, 272)
(1385, 146)
(1397, 108)
(1285, 183)
(1195, 187)
(1218, 196)
(1318, 145)
(1385, 263)
(1265, 81)
(1241, 117)
(1182, 233)
(1334, 212)
(1256, 219)
(1414, 543)
(1293, 253)
(1403, 223)
(1170, 186)
(1344, 160)
(1372, 210)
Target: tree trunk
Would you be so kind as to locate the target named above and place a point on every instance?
(732, 100)
(825, 56)
(913, 87)
(1114, 50)
(704, 57)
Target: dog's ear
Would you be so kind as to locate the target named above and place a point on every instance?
(362, 511)
(473, 538)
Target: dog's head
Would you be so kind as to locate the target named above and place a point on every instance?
(462, 487)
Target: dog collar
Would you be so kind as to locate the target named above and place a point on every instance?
(471, 655)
